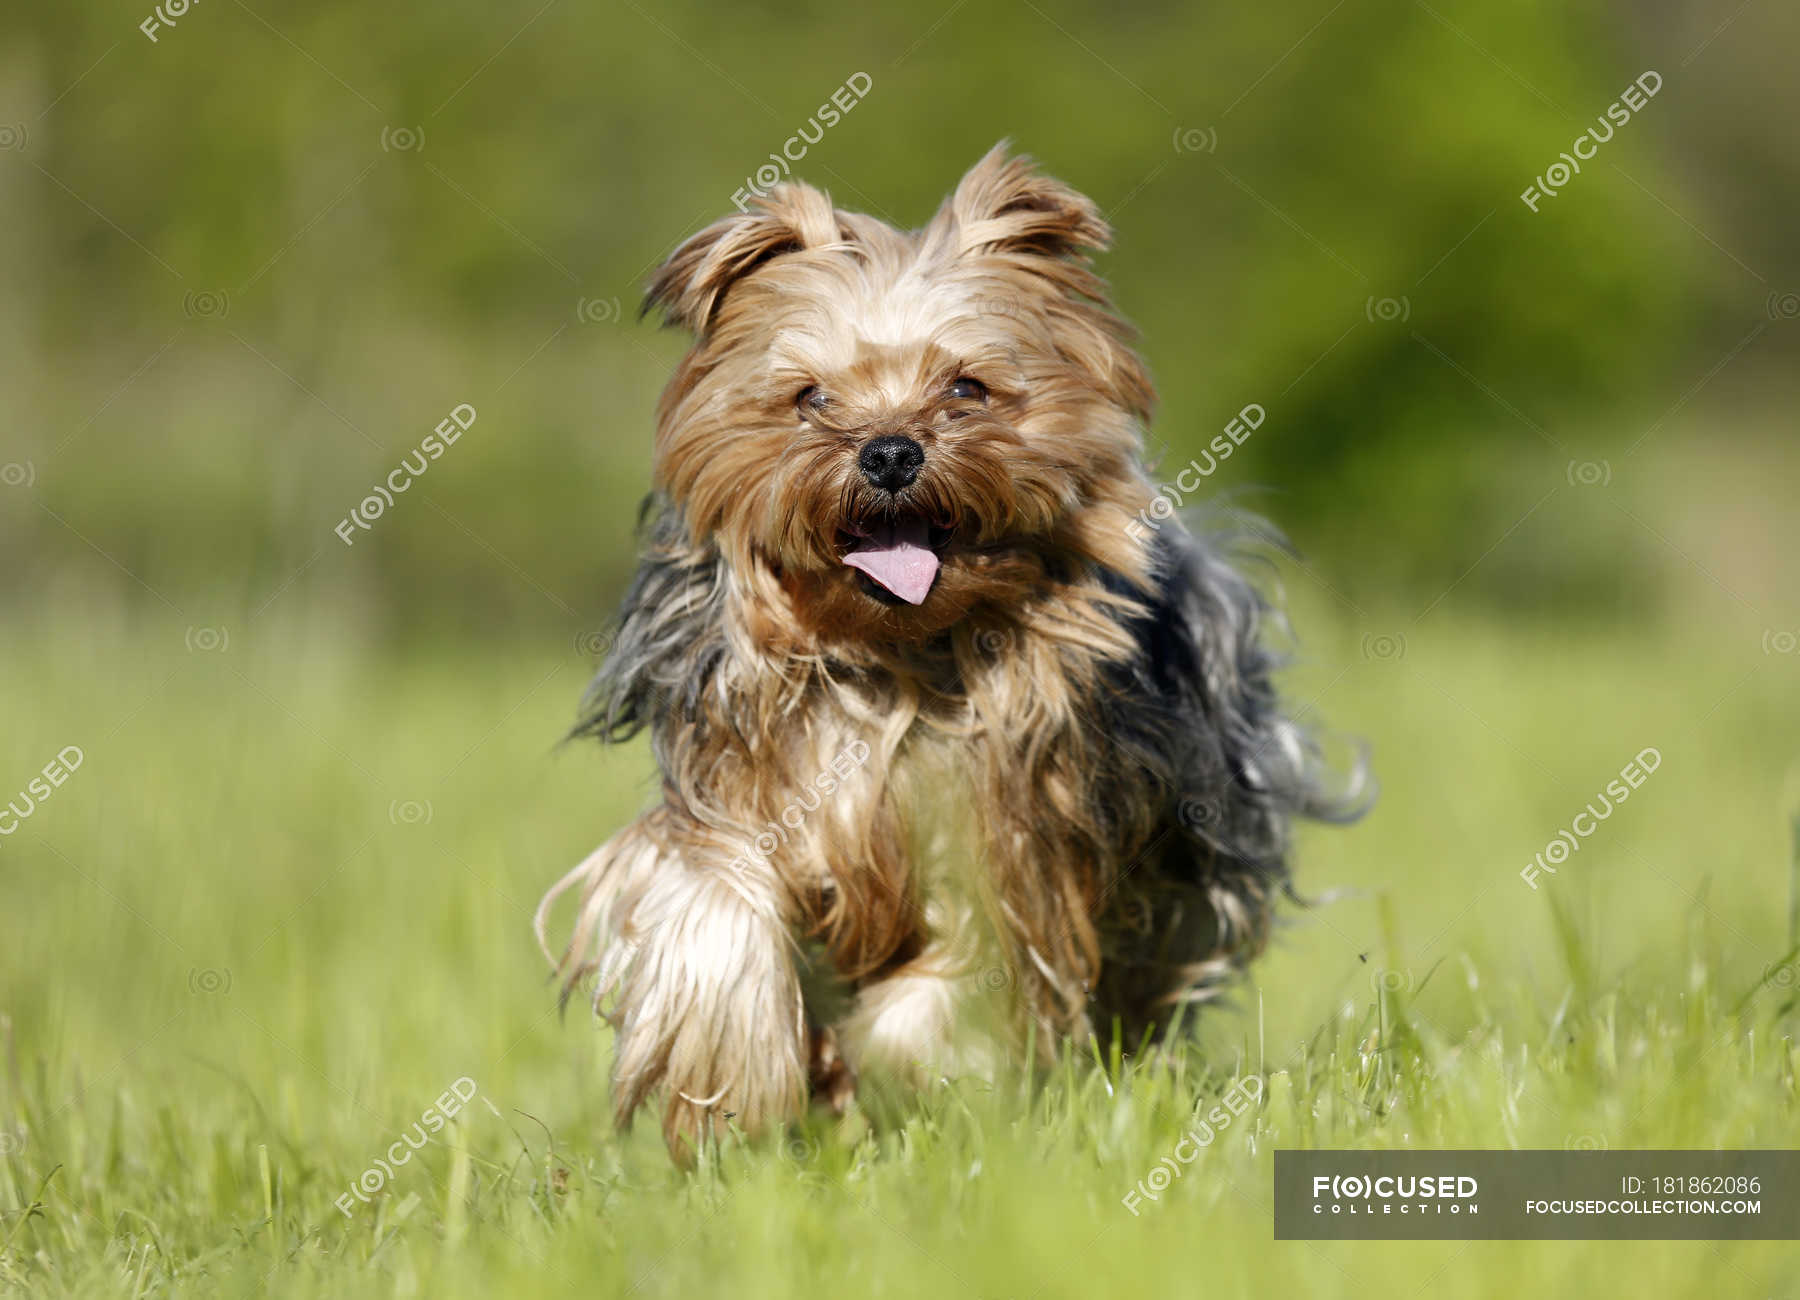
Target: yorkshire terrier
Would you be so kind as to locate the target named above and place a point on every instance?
(920, 680)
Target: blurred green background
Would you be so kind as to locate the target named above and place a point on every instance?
(1539, 467)
(250, 264)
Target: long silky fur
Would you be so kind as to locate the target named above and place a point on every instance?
(1098, 697)
(1226, 767)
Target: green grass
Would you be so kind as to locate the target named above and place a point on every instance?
(285, 903)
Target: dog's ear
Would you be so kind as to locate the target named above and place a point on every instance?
(689, 287)
(1005, 205)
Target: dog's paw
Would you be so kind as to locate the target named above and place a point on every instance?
(709, 1011)
(833, 1081)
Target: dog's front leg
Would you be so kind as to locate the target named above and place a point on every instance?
(695, 969)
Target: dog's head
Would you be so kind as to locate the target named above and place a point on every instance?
(884, 430)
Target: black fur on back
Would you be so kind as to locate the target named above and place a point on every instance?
(1197, 713)
(668, 646)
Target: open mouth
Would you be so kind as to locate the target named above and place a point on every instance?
(898, 557)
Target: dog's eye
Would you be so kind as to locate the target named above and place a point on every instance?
(810, 400)
(964, 389)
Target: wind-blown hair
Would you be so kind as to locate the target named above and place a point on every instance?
(1065, 746)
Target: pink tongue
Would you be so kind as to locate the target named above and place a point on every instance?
(899, 557)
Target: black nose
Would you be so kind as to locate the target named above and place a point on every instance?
(891, 462)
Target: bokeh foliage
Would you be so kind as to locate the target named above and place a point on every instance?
(1363, 153)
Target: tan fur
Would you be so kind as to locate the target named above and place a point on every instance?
(692, 939)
